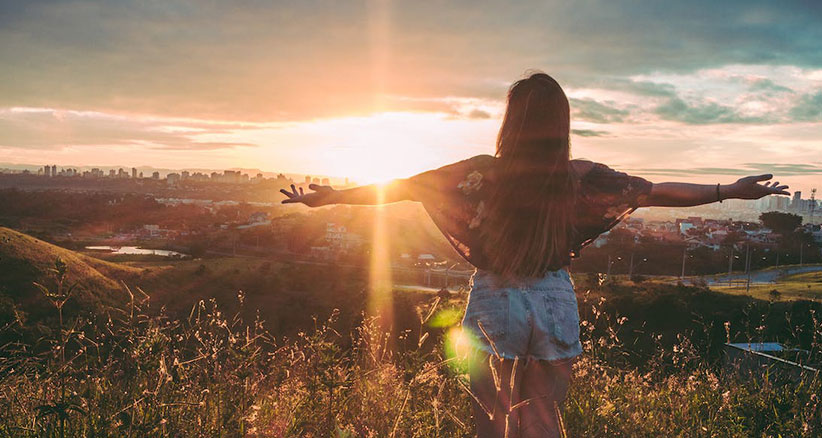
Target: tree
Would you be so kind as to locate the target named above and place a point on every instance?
(782, 223)
(732, 238)
(620, 236)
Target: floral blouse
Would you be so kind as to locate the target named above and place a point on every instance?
(455, 198)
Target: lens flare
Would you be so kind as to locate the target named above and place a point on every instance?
(448, 317)
(460, 345)
(380, 302)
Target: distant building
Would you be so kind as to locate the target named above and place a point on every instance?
(134, 172)
(307, 179)
(155, 175)
(54, 170)
(231, 176)
(796, 202)
(326, 182)
(339, 239)
(151, 230)
(173, 179)
(47, 171)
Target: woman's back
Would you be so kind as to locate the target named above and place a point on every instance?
(456, 197)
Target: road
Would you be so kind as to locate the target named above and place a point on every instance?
(764, 276)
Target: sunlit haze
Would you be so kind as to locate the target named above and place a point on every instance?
(376, 90)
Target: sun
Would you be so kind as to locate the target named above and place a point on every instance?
(367, 149)
(380, 147)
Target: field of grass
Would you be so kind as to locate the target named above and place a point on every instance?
(215, 374)
(241, 347)
(804, 286)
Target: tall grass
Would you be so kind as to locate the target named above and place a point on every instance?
(133, 371)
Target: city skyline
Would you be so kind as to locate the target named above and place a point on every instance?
(34, 169)
(794, 203)
(382, 89)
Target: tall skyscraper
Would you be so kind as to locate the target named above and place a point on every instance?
(134, 172)
(796, 203)
(53, 170)
(47, 171)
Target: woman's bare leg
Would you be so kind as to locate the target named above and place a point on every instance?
(545, 385)
(496, 394)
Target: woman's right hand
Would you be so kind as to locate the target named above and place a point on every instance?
(322, 195)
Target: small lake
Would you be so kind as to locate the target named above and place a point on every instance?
(135, 250)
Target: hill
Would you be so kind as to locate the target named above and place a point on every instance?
(287, 295)
(25, 260)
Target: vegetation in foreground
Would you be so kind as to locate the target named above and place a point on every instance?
(132, 372)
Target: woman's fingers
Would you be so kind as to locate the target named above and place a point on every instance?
(763, 177)
(301, 191)
(286, 193)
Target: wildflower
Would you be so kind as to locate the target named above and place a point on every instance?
(726, 398)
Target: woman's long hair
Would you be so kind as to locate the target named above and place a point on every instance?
(529, 211)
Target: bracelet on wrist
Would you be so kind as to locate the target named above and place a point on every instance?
(718, 197)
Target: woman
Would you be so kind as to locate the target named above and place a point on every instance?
(519, 217)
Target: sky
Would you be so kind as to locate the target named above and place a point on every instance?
(700, 91)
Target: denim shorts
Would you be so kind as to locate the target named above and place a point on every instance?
(528, 317)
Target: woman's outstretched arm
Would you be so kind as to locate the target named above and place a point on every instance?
(374, 194)
(674, 194)
(429, 185)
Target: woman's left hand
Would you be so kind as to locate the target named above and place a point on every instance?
(749, 187)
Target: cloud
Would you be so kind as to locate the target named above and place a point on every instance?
(597, 112)
(279, 60)
(479, 114)
(767, 85)
(632, 86)
(780, 170)
(589, 133)
(44, 128)
(808, 109)
(677, 109)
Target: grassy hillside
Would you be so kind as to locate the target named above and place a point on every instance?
(25, 260)
(288, 296)
(650, 365)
